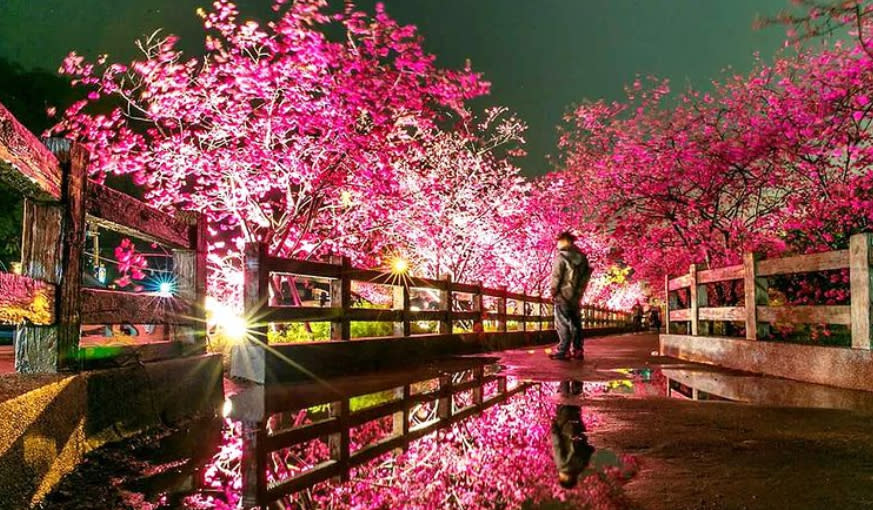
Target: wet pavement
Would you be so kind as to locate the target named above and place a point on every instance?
(633, 429)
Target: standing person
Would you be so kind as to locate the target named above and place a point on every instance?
(570, 275)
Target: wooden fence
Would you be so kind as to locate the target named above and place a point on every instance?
(531, 312)
(757, 314)
(261, 442)
(48, 301)
(465, 321)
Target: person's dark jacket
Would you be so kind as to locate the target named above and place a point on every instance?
(570, 447)
(570, 274)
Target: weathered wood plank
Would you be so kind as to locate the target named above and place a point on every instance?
(755, 295)
(682, 315)
(25, 300)
(721, 274)
(302, 267)
(36, 347)
(805, 314)
(680, 282)
(694, 300)
(727, 313)
(25, 163)
(804, 263)
(123, 213)
(73, 190)
(114, 307)
(861, 290)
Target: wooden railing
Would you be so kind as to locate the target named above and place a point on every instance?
(59, 202)
(757, 314)
(261, 440)
(531, 312)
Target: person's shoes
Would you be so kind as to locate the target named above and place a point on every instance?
(559, 356)
(579, 355)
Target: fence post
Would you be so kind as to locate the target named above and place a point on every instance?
(41, 244)
(341, 297)
(248, 358)
(860, 289)
(401, 418)
(478, 391)
(53, 239)
(444, 405)
(401, 302)
(446, 306)
(253, 464)
(693, 303)
(524, 312)
(667, 303)
(478, 326)
(501, 310)
(755, 290)
(339, 442)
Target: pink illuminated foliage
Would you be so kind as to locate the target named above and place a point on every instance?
(352, 144)
(776, 161)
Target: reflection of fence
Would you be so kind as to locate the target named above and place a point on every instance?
(49, 302)
(842, 367)
(263, 442)
(510, 313)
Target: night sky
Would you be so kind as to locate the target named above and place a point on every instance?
(540, 55)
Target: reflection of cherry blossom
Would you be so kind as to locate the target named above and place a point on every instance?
(498, 459)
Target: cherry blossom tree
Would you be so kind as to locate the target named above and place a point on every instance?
(279, 133)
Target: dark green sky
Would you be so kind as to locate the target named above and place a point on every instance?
(540, 55)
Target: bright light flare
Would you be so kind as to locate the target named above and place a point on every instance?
(165, 289)
(399, 266)
(226, 408)
(234, 327)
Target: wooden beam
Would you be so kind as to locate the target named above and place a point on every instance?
(694, 300)
(804, 263)
(25, 163)
(118, 211)
(73, 190)
(114, 307)
(861, 290)
(727, 313)
(25, 300)
(755, 295)
(805, 314)
(683, 315)
(302, 267)
(679, 282)
(721, 274)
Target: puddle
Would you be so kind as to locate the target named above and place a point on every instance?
(464, 434)
(467, 437)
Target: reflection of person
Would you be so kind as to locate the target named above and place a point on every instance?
(570, 275)
(570, 447)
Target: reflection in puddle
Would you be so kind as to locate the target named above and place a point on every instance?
(463, 439)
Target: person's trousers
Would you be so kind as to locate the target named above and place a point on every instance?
(568, 323)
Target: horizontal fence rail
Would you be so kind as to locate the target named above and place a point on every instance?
(260, 441)
(758, 314)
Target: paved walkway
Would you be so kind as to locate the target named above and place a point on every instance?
(790, 445)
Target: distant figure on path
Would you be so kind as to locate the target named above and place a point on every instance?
(655, 319)
(570, 275)
(637, 311)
